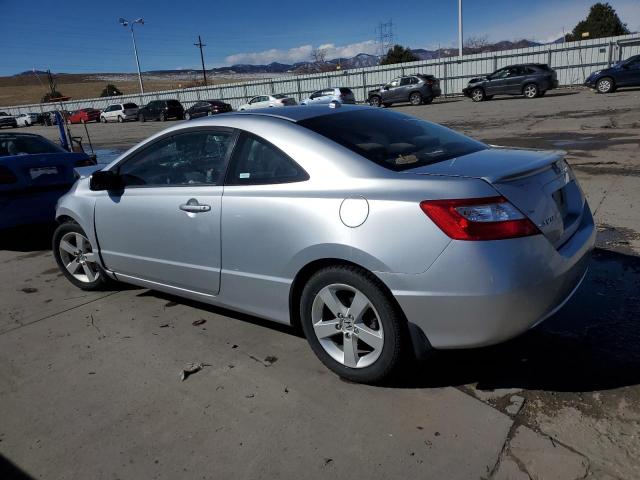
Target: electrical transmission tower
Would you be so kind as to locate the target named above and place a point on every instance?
(384, 37)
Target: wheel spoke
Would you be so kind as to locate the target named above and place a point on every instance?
(332, 302)
(90, 257)
(358, 306)
(80, 242)
(350, 350)
(370, 337)
(326, 329)
(73, 266)
(67, 247)
(88, 272)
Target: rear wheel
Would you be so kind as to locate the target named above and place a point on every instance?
(375, 101)
(530, 90)
(103, 119)
(415, 98)
(351, 324)
(605, 85)
(187, 116)
(477, 95)
(142, 118)
(76, 257)
(163, 117)
(120, 119)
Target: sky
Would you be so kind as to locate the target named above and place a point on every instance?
(78, 36)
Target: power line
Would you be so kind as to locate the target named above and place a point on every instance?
(200, 45)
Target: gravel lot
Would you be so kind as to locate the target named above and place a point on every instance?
(89, 383)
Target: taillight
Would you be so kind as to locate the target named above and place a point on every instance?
(7, 176)
(429, 81)
(490, 218)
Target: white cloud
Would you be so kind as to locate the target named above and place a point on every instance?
(301, 53)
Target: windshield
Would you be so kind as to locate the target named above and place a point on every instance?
(393, 140)
(26, 145)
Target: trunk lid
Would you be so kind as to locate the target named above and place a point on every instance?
(539, 183)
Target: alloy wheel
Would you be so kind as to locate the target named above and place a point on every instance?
(530, 91)
(415, 98)
(78, 258)
(604, 85)
(347, 325)
(375, 101)
(477, 95)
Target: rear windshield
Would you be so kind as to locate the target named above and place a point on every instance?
(130, 105)
(26, 145)
(393, 140)
(279, 95)
(173, 103)
(346, 91)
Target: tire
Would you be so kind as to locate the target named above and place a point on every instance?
(163, 117)
(378, 337)
(103, 119)
(187, 116)
(415, 99)
(120, 120)
(142, 118)
(477, 95)
(530, 91)
(605, 85)
(375, 101)
(72, 250)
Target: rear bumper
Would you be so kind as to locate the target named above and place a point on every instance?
(19, 208)
(482, 293)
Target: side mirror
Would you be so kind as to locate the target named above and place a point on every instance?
(105, 180)
(386, 87)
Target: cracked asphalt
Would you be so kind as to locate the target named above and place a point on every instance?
(90, 382)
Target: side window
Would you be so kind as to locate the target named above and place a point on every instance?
(404, 81)
(415, 80)
(255, 161)
(192, 158)
(500, 74)
(328, 93)
(516, 71)
(118, 107)
(315, 95)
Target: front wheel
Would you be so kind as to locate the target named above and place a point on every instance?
(530, 91)
(351, 324)
(187, 116)
(415, 99)
(605, 85)
(103, 119)
(163, 117)
(142, 118)
(375, 101)
(120, 119)
(76, 257)
(477, 95)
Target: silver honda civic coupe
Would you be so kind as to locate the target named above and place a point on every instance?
(379, 234)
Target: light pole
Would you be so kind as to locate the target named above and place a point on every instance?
(460, 28)
(127, 23)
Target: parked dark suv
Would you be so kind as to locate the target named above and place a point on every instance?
(531, 80)
(623, 74)
(206, 107)
(161, 110)
(415, 89)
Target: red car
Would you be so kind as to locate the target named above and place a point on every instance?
(85, 115)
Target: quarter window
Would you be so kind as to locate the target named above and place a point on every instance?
(192, 158)
(255, 161)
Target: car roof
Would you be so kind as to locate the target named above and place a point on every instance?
(300, 112)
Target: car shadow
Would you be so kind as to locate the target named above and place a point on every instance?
(29, 238)
(9, 471)
(261, 322)
(500, 98)
(592, 344)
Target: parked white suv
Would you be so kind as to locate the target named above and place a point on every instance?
(119, 112)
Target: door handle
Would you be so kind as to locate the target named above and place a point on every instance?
(193, 206)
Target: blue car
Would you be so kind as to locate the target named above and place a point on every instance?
(34, 174)
(622, 74)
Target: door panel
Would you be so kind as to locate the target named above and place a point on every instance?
(144, 233)
(164, 226)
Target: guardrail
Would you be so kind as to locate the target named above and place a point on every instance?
(573, 61)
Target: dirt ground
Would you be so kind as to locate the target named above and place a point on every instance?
(89, 382)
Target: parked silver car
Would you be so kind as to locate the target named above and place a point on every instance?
(378, 233)
(264, 101)
(330, 95)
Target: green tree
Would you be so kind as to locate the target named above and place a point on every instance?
(602, 21)
(46, 98)
(110, 91)
(398, 54)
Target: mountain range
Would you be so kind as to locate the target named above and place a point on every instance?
(358, 61)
